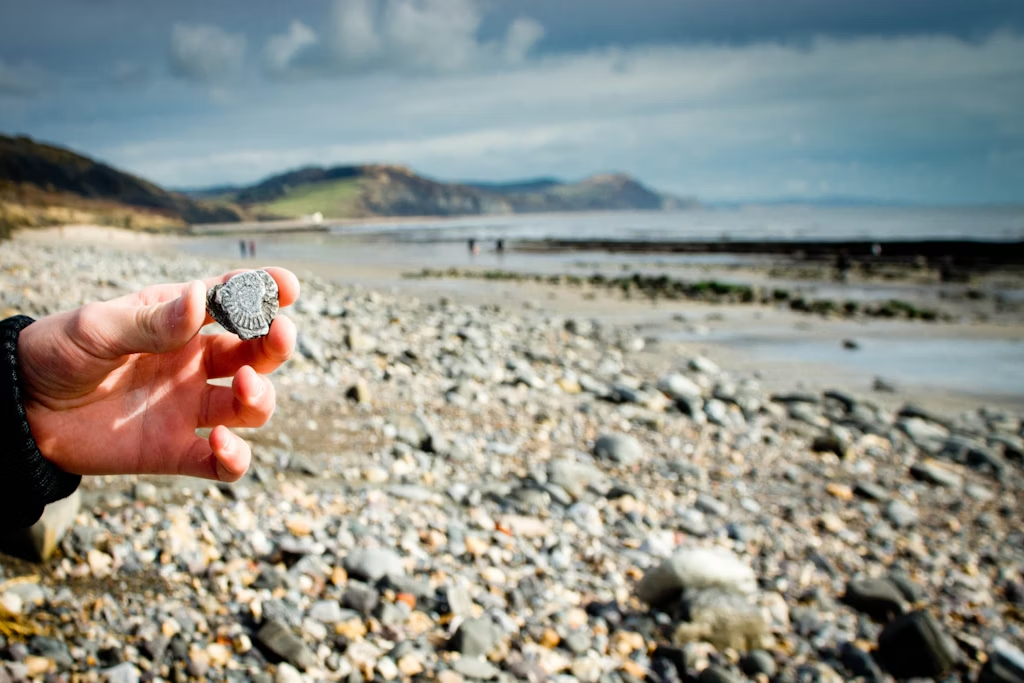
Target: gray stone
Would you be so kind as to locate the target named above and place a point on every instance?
(459, 601)
(360, 597)
(622, 449)
(693, 522)
(758, 662)
(717, 412)
(724, 619)
(122, 673)
(573, 477)
(476, 668)
(312, 349)
(692, 407)
(696, 569)
(871, 491)
(703, 365)
(577, 642)
(677, 386)
(279, 639)
(1005, 663)
(145, 492)
(411, 429)
(711, 506)
(475, 637)
(880, 599)
(326, 611)
(928, 436)
(901, 514)
(915, 646)
(245, 305)
(979, 492)
(373, 564)
(934, 473)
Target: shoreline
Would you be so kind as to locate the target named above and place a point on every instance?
(960, 253)
(658, 319)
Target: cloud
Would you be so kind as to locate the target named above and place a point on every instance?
(205, 53)
(21, 80)
(918, 118)
(523, 34)
(406, 36)
(282, 49)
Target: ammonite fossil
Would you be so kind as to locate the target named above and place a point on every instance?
(245, 305)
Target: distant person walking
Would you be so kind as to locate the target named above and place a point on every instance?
(474, 249)
(500, 246)
(252, 248)
(241, 247)
(843, 265)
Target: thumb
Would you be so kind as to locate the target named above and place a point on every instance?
(156, 328)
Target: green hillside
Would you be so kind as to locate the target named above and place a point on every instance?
(332, 198)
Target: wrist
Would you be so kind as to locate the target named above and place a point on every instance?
(28, 480)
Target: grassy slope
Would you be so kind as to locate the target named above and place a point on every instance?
(332, 198)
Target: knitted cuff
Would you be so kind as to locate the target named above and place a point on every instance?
(28, 481)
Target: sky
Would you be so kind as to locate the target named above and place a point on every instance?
(918, 101)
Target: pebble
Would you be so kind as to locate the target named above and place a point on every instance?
(475, 637)
(935, 473)
(431, 494)
(696, 568)
(373, 564)
(880, 599)
(901, 514)
(914, 645)
(476, 668)
(621, 449)
(278, 638)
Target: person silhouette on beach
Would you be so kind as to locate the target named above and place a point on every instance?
(241, 247)
(252, 248)
(474, 248)
(121, 386)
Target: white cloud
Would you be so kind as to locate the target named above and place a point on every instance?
(523, 34)
(353, 39)
(414, 36)
(20, 80)
(910, 117)
(205, 53)
(432, 34)
(282, 49)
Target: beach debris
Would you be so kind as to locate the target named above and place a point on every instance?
(245, 305)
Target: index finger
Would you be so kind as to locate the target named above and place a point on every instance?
(287, 289)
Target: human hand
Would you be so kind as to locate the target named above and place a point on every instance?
(120, 387)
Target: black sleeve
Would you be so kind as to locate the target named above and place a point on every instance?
(28, 481)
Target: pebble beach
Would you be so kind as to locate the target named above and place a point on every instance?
(462, 492)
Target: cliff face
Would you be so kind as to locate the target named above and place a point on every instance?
(36, 174)
(390, 190)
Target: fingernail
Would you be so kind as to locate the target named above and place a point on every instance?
(222, 473)
(181, 305)
(261, 386)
